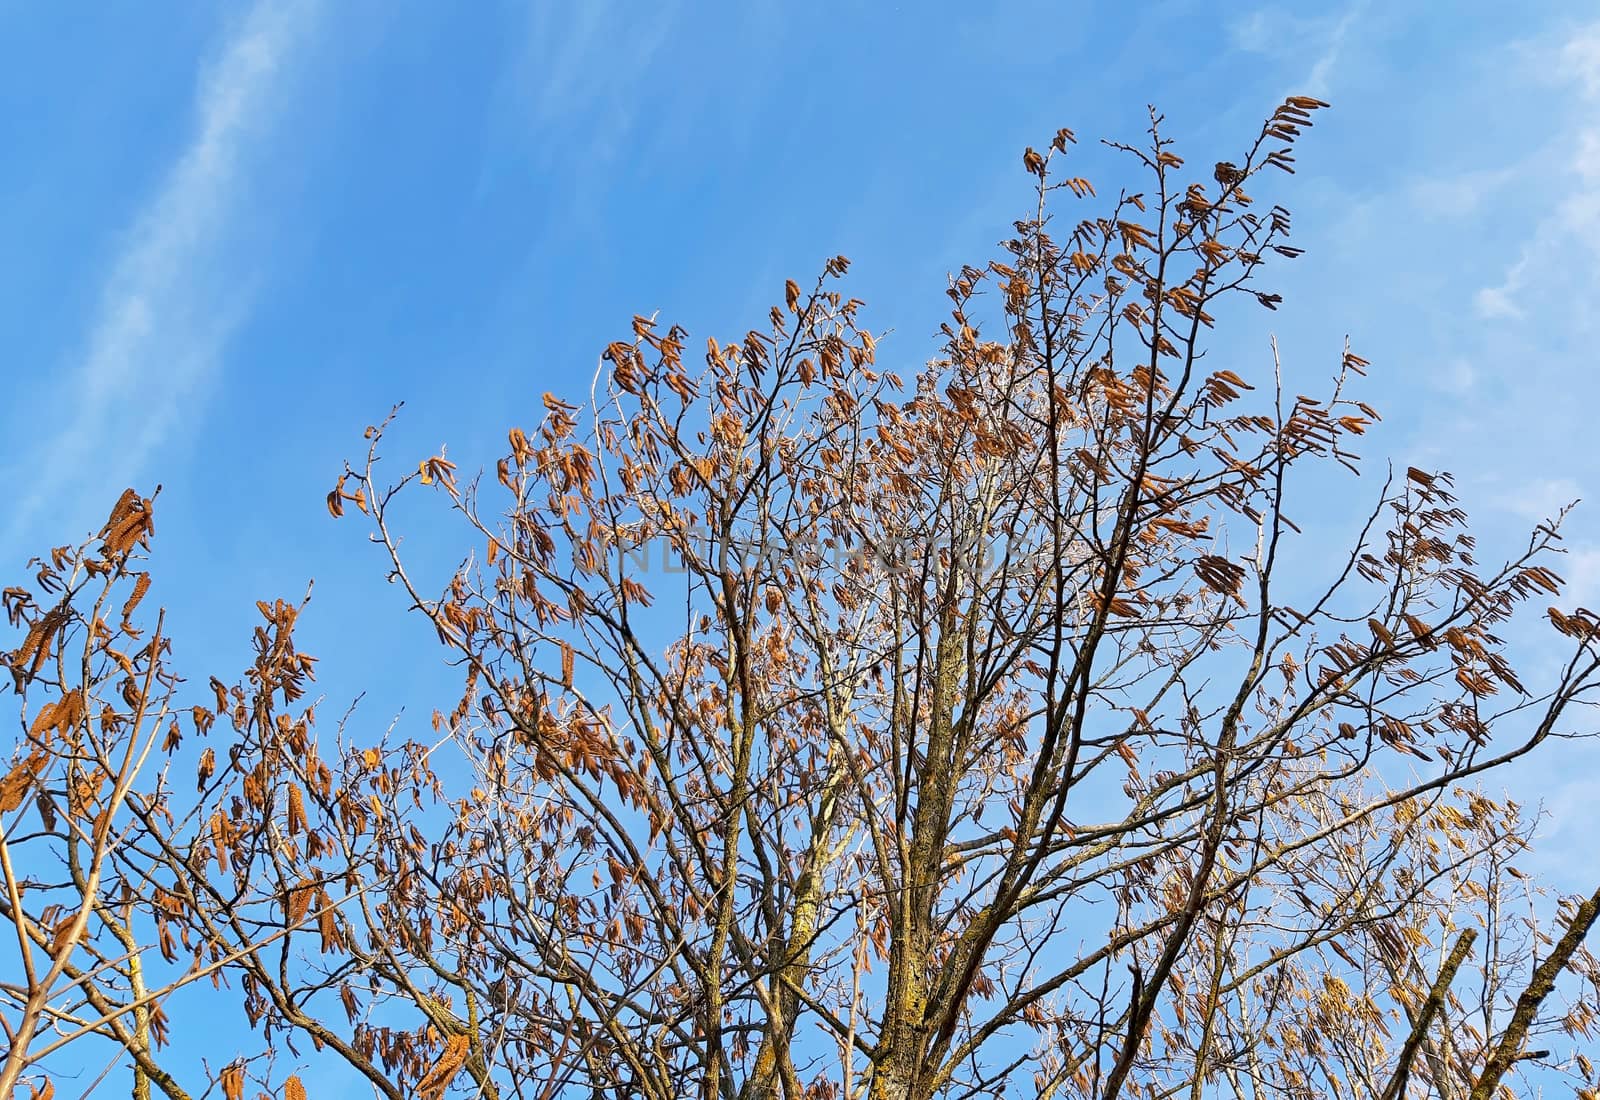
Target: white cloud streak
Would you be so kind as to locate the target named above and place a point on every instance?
(1566, 243)
(1290, 36)
(1579, 60)
(166, 309)
(585, 76)
(1319, 79)
(1540, 499)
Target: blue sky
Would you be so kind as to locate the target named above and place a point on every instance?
(232, 236)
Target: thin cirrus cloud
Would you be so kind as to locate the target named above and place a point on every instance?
(1324, 37)
(582, 76)
(1568, 239)
(163, 318)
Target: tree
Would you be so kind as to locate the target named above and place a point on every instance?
(824, 734)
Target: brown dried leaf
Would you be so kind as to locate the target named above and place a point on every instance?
(451, 1059)
(232, 1081)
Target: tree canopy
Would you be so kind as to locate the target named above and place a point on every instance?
(827, 731)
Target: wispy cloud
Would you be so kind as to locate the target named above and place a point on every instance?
(1321, 75)
(584, 76)
(1459, 194)
(1579, 59)
(1565, 244)
(1457, 377)
(164, 316)
(1290, 36)
(1539, 499)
